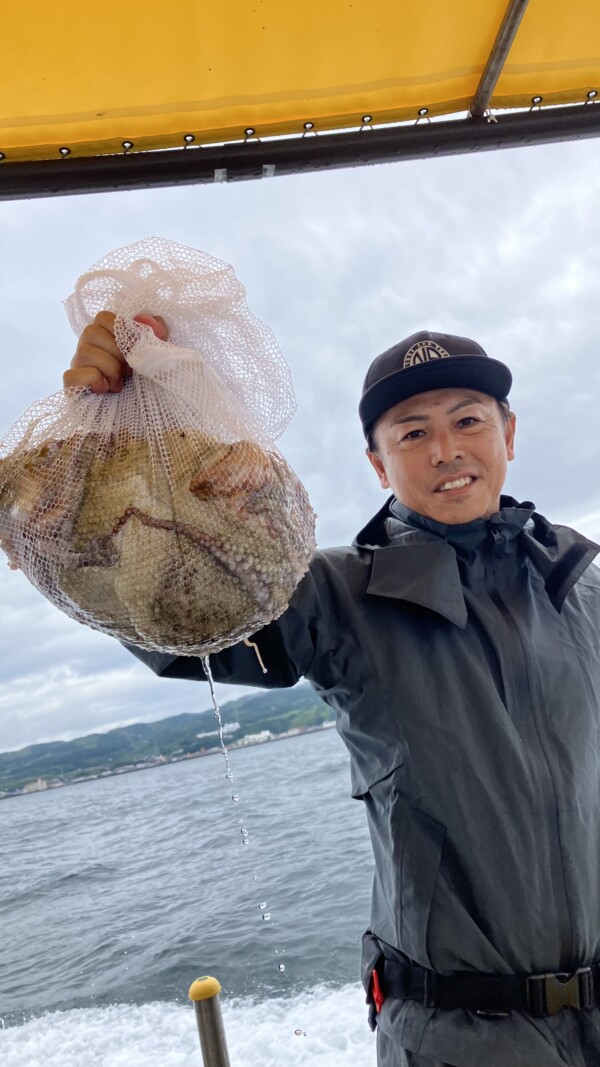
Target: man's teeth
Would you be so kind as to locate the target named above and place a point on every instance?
(458, 484)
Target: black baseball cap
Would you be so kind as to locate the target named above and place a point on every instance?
(427, 361)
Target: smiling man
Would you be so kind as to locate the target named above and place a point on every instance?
(444, 453)
(457, 640)
(443, 450)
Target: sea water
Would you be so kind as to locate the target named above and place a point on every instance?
(116, 894)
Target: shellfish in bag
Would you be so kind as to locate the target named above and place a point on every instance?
(163, 515)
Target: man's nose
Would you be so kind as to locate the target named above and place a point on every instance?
(445, 449)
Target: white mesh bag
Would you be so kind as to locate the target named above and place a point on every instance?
(163, 515)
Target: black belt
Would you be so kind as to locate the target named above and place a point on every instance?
(492, 994)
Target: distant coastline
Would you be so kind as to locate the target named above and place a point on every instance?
(254, 720)
(161, 761)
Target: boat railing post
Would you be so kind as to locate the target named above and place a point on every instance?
(204, 993)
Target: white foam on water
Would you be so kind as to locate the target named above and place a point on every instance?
(333, 1025)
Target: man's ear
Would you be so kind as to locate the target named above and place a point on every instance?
(510, 435)
(375, 460)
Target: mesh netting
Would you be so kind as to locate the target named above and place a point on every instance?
(164, 514)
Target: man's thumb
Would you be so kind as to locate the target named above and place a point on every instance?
(156, 324)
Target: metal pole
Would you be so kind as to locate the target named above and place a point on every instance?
(497, 57)
(204, 993)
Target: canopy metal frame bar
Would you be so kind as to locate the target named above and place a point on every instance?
(497, 57)
(275, 157)
(194, 164)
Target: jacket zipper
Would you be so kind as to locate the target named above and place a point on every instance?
(558, 890)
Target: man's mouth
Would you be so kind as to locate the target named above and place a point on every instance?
(456, 483)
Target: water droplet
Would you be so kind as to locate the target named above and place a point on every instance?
(300, 1033)
(229, 775)
(255, 878)
(244, 832)
(245, 840)
(267, 916)
(263, 905)
(235, 797)
(281, 967)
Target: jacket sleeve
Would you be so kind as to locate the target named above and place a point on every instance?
(287, 647)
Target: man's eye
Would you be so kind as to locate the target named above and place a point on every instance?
(413, 435)
(469, 420)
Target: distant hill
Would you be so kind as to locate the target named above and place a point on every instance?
(155, 742)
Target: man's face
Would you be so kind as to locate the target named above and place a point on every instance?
(429, 442)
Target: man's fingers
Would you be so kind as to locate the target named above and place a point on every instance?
(98, 363)
(94, 357)
(86, 378)
(106, 319)
(97, 336)
(98, 351)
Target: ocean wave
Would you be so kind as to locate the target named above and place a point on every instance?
(324, 1028)
(55, 885)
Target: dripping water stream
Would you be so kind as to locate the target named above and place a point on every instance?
(263, 905)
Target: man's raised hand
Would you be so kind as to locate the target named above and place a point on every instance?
(98, 363)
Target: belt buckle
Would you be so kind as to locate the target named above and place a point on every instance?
(548, 993)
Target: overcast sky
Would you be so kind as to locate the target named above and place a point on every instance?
(503, 247)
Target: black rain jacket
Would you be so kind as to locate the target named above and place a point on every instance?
(463, 663)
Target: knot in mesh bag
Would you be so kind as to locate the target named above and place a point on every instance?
(163, 515)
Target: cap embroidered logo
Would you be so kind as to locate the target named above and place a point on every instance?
(423, 352)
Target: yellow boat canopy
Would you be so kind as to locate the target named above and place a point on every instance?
(133, 76)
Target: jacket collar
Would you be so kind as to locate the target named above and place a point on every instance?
(465, 537)
(560, 554)
(415, 558)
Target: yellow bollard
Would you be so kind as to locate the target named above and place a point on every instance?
(204, 993)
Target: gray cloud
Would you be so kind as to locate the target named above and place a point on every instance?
(502, 247)
(59, 679)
